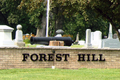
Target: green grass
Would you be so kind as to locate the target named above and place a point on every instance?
(77, 46)
(73, 46)
(29, 45)
(60, 74)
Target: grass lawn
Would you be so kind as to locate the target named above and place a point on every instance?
(77, 46)
(60, 74)
(29, 45)
(73, 46)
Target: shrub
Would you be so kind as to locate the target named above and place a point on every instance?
(26, 41)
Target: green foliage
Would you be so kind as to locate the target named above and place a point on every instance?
(79, 24)
(10, 15)
(72, 16)
(35, 10)
(9, 10)
(76, 18)
(36, 16)
(13, 18)
(108, 9)
(26, 41)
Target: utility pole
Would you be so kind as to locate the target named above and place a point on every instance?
(47, 18)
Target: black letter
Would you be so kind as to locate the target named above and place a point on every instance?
(83, 58)
(35, 56)
(101, 58)
(58, 57)
(42, 56)
(51, 57)
(66, 56)
(88, 57)
(94, 58)
(25, 56)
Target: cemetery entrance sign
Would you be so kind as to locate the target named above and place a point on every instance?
(60, 57)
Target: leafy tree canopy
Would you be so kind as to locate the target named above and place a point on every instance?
(11, 16)
(108, 9)
(75, 13)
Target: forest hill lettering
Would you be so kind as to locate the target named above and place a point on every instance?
(81, 57)
(45, 57)
(61, 57)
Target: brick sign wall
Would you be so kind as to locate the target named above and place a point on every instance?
(67, 58)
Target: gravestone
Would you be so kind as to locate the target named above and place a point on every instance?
(59, 33)
(115, 36)
(96, 39)
(110, 42)
(88, 38)
(92, 37)
(110, 32)
(6, 37)
(77, 37)
(19, 37)
(81, 42)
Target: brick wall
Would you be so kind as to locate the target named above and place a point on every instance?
(68, 58)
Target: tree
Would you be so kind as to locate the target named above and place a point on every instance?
(36, 12)
(9, 13)
(76, 18)
(11, 16)
(108, 9)
(79, 24)
(38, 8)
(8, 10)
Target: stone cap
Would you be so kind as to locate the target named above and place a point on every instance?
(19, 27)
(59, 31)
(5, 28)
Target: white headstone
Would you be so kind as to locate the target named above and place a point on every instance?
(81, 42)
(6, 37)
(88, 38)
(97, 39)
(110, 32)
(19, 37)
(19, 34)
(92, 37)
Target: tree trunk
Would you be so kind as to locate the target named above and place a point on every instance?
(116, 29)
(59, 22)
(41, 31)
